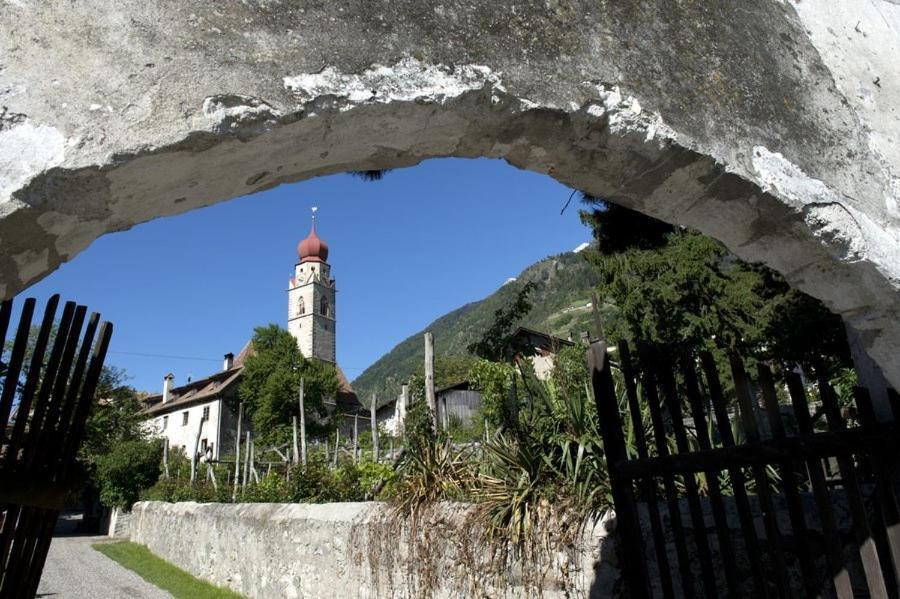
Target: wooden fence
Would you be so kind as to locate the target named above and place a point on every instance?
(683, 477)
(43, 410)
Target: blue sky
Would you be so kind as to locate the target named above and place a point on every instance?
(184, 290)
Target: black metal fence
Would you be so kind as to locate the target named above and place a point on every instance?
(798, 530)
(44, 404)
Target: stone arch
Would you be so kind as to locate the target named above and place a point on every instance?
(758, 125)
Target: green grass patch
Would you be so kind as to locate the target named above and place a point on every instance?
(161, 573)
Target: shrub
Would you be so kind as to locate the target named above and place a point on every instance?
(492, 381)
(418, 427)
(126, 470)
(270, 489)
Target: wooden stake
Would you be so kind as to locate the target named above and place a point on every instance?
(374, 428)
(166, 457)
(337, 445)
(196, 449)
(212, 476)
(246, 462)
(302, 426)
(253, 461)
(429, 379)
(404, 403)
(296, 455)
(237, 453)
(355, 438)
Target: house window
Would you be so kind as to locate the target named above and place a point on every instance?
(165, 422)
(206, 412)
(184, 418)
(203, 444)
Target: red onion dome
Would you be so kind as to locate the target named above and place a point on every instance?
(312, 249)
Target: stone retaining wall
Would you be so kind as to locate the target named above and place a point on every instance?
(362, 550)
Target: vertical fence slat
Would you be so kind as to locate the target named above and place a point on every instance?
(662, 450)
(788, 470)
(26, 396)
(723, 534)
(40, 408)
(894, 400)
(43, 439)
(68, 394)
(761, 477)
(868, 552)
(833, 547)
(701, 539)
(628, 525)
(883, 462)
(647, 484)
(14, 367)
(5, 315)
(88, 387)
(735, 474)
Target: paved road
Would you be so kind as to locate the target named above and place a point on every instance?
(75, 571)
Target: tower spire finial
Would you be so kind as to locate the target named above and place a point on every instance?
(314, 210)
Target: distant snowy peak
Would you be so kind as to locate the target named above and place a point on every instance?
(581, 247)
(508, 281)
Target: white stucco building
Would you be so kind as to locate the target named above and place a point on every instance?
(176, 413)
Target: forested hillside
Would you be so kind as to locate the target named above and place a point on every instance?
(561, 301)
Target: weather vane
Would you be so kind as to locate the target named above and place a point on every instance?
(314, 210)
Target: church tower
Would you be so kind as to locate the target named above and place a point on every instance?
(311, 291)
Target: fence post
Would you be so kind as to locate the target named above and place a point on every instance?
(246, 462)
(404, 402)
(355, 438)
(237, 453)
(628, 524)
(374, 428)
(295, 458)
(166, 457)
(302, 425)
(337, 445)
(429, 379)
(196, 448)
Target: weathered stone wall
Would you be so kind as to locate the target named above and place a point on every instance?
(771, 125)
(351, 550)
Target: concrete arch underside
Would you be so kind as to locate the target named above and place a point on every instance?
(771, 127)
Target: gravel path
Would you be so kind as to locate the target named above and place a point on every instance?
(74, 570)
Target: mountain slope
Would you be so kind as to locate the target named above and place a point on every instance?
(561, 305)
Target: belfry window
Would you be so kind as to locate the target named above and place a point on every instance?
(323, 307)
(301, 306)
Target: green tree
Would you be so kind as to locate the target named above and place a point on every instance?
(492, 380)
(677, 287)
(448, 370)
(115, 415)
(128, 468)
(271, 385)
(498, 343)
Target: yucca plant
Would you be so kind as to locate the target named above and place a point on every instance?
(433, 471)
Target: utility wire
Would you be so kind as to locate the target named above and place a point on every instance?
(131, 353)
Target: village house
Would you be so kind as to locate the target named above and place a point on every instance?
(176, 413)
(459, 403)
(541, 348)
